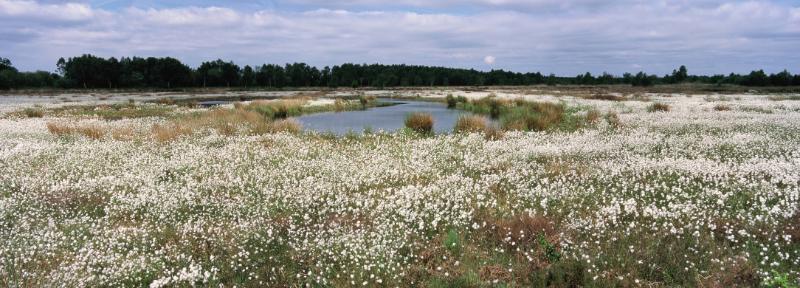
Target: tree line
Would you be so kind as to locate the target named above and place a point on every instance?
(89, 71)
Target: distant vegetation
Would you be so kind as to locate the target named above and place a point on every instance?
(89, 71)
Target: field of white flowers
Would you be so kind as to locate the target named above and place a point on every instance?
(705, 194)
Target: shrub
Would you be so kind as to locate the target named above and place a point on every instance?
(494, 108)
(420, 122)
(451, 101)
(470, 124)
(658, 107)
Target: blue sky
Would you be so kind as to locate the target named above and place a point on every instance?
(551, 36)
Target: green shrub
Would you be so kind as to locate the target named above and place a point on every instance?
(451, 101)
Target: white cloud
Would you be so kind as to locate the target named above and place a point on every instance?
(709, 37)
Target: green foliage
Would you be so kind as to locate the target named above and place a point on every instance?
(452, 242)
(549, 249)
(451, 101)
(780, 280)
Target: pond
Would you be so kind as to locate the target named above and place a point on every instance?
(387, 118)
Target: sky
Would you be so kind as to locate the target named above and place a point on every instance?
(550, 36)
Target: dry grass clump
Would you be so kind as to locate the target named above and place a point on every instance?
(420, 122)
(92, 131)
(230, 122)
(59, 129)
(470, 124)
(123, 134)
(493, 132)
(339, 105)
(169, 132)
(277, 109)
(592, 116)
(285, 125)
(607, 97)
(740, 273)
(658, 107)
(613, 119)
(722, 107)
(33, 113)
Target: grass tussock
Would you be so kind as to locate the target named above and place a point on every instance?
(613, 119)
(722, 107)
(248, 119)
(592, 116)
(277, 109)
(92, 131)
(524, 115)
(170, 132)
(605, 97)
(658, 107)
(285, 126)
(784, 98)
(33, 113)
(420, 122)
(470, 124)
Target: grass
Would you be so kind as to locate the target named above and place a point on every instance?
(658, 107)
(33, 112)
(519, 114)
(470, 124)
(722, 107)
(92, 131)
(420, 122)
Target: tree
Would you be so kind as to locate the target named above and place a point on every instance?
(248, 76)
(680, 75)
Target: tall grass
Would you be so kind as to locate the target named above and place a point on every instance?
(658, 107)
(92, 131)
(470, 124)
(420, 122)
(519, 114)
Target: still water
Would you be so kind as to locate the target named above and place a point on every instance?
(388, 119)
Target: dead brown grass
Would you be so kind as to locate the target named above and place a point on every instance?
(592, 116)
(658, 107)
(607, 97)
(613, 119)
(92, 131)
(59, 129)
(722, 107)
(470, 124)
(420, 122)
(169, 132)
(123, 134)
(285, 125)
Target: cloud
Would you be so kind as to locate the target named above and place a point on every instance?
(489, 60)
(567, 38)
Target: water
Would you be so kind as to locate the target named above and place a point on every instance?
(388, 119)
